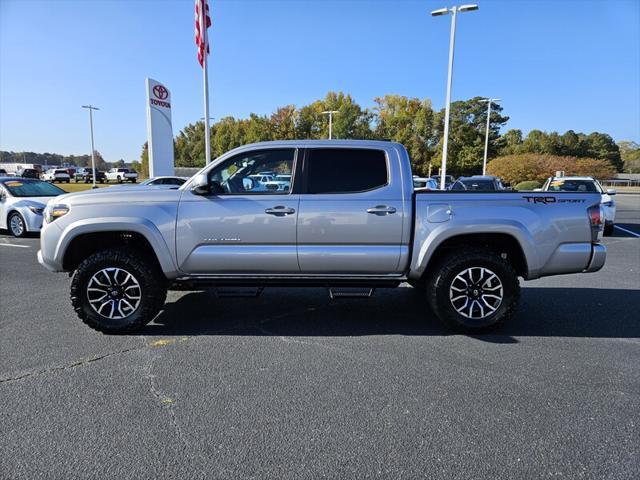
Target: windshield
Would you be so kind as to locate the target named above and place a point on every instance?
(560, 185)
(32, 188)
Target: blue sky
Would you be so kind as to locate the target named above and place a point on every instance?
(557, 65)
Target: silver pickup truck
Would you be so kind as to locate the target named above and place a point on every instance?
(349, 219)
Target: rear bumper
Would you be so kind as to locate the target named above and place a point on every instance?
(598, 257)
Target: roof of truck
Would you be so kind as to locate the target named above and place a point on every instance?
(323, 143)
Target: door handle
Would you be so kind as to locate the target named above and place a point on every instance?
(381, 210)
(279, 211)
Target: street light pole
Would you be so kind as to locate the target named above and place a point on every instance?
(452, 40)
(330, 113)
(93, 150)
(486, 136)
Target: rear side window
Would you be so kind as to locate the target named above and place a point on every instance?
(345, 170)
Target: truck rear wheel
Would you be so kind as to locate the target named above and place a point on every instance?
(117, 291)
(473, 290)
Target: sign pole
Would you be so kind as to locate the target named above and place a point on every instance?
(205, 77)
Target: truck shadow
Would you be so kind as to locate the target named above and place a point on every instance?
(551, 312)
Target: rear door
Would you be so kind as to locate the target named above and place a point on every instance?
(351, 212)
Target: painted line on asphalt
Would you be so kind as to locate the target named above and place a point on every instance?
(627, 231)
(13, 245)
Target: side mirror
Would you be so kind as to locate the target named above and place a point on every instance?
(200, 185)
(3, 196)
(611, 191)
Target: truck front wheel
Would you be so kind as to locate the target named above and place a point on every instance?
(117, 291)
(473, 290)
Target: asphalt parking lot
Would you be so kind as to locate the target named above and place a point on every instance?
(294, 385)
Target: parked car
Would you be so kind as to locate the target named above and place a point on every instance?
(121, 175)
(586, 184)
(448, 181)
(56, 175)
(478, 182)
(22, 202)
(426, 183)
(280, 183)
(86, 175)
(366, 227)
(71, 171)
(163, 181)
(27, 173)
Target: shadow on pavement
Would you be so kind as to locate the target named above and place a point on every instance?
(557, 312)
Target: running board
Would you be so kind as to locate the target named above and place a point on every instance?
(345, 292)
(236, 292)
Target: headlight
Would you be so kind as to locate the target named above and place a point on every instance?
(36, 210)
(55, 211)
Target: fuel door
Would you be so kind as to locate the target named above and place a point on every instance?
(438, 212)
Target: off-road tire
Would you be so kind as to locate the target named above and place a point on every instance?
(443, 275)
(152, 282)
(119, 179)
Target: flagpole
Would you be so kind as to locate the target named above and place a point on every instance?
(205, 77)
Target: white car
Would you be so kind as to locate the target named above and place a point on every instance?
(425, 183)
(163, 182)
(281, 183)
(22, 203)
(121, 175)
(583, 185)
(56, 175)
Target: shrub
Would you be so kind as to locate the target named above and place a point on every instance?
(514, 169)
(528, 185)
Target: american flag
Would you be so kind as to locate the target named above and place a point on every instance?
(201, 37)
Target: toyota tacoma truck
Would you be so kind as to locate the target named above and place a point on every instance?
(350, 221)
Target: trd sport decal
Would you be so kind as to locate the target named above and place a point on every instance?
(547, 200)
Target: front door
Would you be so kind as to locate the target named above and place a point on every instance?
(245, 226)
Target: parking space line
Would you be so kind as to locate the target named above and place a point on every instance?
(627, 231)
(13, 245)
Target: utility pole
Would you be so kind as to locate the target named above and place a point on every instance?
(91, 108)
(452, 40)
(486, 136)
(330, 113)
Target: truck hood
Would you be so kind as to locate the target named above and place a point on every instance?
(118, 195)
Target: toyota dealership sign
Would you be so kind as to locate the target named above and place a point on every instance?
(159, 130)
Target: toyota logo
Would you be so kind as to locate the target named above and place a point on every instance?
(160, 92)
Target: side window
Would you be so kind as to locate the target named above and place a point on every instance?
(239, 175)
(345, 170)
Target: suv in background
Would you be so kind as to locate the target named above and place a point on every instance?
(478, 182)
(28, 173)
(122, 175)
(86, 175)
(586, 185)
(448, 181)
(56, 175)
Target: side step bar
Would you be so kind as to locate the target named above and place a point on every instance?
(344, 292)
(235, 292)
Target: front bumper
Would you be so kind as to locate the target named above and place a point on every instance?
(598, 257)
(41, 261)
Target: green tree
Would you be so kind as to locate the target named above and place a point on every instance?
(408, 121)
(630, 153)
(467, 126)
(144, 161)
